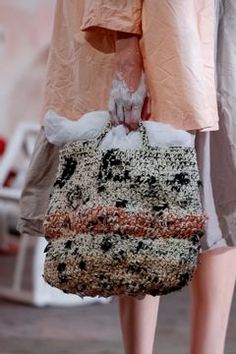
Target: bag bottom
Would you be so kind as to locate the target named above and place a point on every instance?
(111, 264)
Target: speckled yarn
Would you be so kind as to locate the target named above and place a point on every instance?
(123, 222)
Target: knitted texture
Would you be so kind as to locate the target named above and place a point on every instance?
(123, 222)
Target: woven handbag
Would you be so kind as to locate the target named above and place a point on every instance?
(123, 222)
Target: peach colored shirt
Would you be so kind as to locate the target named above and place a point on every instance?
(177, 44)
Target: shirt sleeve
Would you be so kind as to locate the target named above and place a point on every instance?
(115, 15)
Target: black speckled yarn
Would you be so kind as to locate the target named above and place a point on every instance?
(123, 222)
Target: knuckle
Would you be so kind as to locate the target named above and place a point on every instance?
(127, 103)
(137, 101)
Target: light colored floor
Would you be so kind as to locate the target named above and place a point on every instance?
(92, 329)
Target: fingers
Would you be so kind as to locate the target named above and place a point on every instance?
(135, 117)
(127, 114)
(146, 110)
(125, 107)
(138, 98)
(120, 112)
(127, 110)
(112, 111)
(123, 115)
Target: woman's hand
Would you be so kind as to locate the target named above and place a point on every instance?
(128, 96)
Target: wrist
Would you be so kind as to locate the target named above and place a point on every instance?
(126, 41)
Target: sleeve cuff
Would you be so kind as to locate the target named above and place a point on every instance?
(127, 19)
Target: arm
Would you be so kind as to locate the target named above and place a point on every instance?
(128, 91)
(128, 59)
(127, 102)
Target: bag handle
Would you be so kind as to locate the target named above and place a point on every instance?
(144, 135)
(103, 133)
(142, 129)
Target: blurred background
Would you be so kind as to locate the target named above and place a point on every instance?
(35, 318)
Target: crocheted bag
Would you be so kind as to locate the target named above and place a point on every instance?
(123, 222)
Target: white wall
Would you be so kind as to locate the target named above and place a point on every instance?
(25, 33)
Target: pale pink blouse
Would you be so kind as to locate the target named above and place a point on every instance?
(177, 44)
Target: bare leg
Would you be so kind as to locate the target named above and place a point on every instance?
(138, 323)
(7, 247)
(212, 292)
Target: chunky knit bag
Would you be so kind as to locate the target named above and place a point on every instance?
(123, 222)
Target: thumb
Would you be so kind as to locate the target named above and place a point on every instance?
(146, 110)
